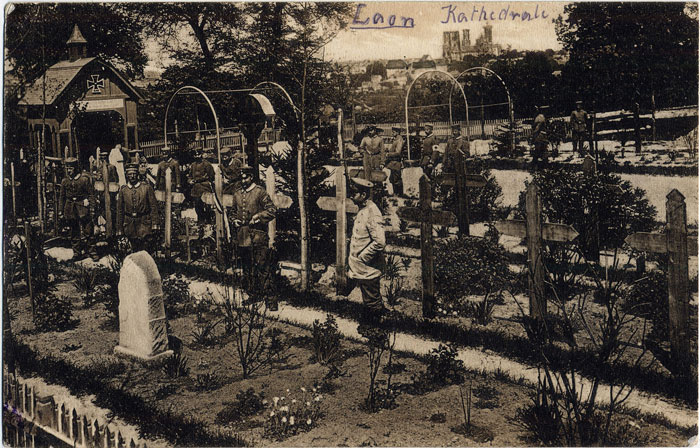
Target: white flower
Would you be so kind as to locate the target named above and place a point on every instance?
(454, 312)
(317, 398)
(314, 389)
(308, 403)
(287, 390)
(303, 389)
(282, 398)
(284, 419)
(284, 409)
(264, 402)
(275, 400)
(272, 414)
(291, 420)
(308, 422)
(294, 401)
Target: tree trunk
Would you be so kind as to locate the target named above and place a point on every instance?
(301, 185)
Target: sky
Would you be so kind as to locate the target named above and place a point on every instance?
(431, 19)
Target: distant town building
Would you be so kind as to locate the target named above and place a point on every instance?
(455, 49)
(396, 68)
(422, 65)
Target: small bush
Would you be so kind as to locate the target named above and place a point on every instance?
(326, 341)
(203, 334)
(85, 279)
(482, 310)
(54, 313)
(247, 403)
(175, 365)
(467, 266)
(207, 381)
(287, 417)
(443, 369)
(176, 297)
(394, 271)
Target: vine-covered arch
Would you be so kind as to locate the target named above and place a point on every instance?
(408, 94)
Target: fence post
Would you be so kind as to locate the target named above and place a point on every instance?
(677, 244)
(55, 199)
(187, 241)
(168, 210)
(219, 216)
(14, 192)
(461, 194)
(270, 187)
(28, 246)
(591, 234)
(637, 131)
(108, 199)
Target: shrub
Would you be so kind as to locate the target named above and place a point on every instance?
(393, 273)
(567, 196)
(326, 341)
(203, 333)
(85, 279)
(54, 313)
(443, 369)
(484, 202)
(207, 381)
(648, 298)
(247, 403)
(176, 297)
(467, 266)
(175, 365)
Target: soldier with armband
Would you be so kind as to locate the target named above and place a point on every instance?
(77, 205)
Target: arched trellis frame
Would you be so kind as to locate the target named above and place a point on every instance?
(213, 111)
(408, 94)
(511, 116)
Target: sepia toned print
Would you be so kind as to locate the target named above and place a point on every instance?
(350, 224)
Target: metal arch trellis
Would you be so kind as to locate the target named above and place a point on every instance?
(216, 118)
(284, 91)
(408, 93)
(511, 116)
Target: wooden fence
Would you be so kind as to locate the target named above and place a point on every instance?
(26, 415)
(442, 128)
(268, 136)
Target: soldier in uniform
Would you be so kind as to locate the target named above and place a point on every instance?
(366, 254)
(136, 156)
(201, 178)
(539, 137)
(231, 170)
(373, 148)
(168, 162)
(579, 118)
(77, 204)
(454, 143)
(137, 210)
(393, 160)
(252, 210)
(428, 155)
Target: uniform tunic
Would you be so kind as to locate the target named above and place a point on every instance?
(201, 174)
(374, 149)
(428, 156)
(578, 120)
(454, 145)
(112, 173)
(393, 156)
(137, 210)
(174, 166)
(76, 198)
(248, 204)
(232, 175)
(367, 243)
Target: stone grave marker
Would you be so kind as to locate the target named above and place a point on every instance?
(142, 324)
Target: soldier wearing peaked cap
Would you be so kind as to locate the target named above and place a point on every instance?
(137, 210)
(251, 211)
(578, 121)
(76, 204)
(366, 254)
(429, 153)
(372, 147)
(168, 162)
(393, 160)
(231, 169)
(454, 144)
(540, 138)
(201, 178)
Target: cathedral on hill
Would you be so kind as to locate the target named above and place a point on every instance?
(455, 49)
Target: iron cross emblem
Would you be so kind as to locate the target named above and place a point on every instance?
(96, 83)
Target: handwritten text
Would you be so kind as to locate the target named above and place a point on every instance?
(377, 21)
(454, 15)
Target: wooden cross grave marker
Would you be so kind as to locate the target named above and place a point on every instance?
(341, 205)
(674, 242)
(170, 198)
(534, 230)
(427, 217)
(112, 187)
(461, 179)
(280, 201)
(375, 175)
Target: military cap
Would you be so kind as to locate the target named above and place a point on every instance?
(456, 127)
(396, 129)
(104, 155)
(226, 150)
(247, 169)
(71, 161)
(579, 102)
(362, 184)
(132, 168)
(166, 150)
(544, 106)
(428, 125)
